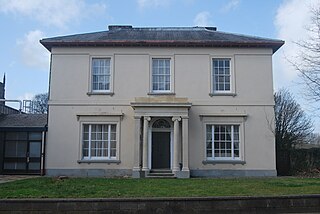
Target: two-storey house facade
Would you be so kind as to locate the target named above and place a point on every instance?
(189, 101)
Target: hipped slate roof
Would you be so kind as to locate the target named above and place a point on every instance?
(125, 36)
(23, 120)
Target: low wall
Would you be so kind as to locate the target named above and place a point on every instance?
(280, 204)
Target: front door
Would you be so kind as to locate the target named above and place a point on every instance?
(160, 150)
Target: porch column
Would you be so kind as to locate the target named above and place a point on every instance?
(176, 167)
(136, 152)
(145, 143)
(185, 147)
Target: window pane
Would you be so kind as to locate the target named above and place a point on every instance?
(16, 149)
(229, 145)
(223, 145)
(161, 62)
(227, 87)
(14, 166)
(35, 136)
(113, 153)
(86, 128)
(222, 153)
(155, 63)
(34, 166)
(16, 135)
(35, 149)
(227, 63)
(113, 136)
(209, 128)
(167, 87)
(236, 153)
(93, 135)
(113, 144)
(167, 78)
(228, 153)
(155, 86)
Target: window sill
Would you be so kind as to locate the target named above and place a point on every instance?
(161, 93)
(205, 162)
(99, 161)
(100, 93)
(223, 94)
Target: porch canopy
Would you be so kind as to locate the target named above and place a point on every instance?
(148, 109)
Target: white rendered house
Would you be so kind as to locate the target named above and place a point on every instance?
(180, 101)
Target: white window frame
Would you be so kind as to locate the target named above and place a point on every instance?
(171, 90)
(114, 121)
(224, 119)
(108, 157)
(232, 142)
(231, 91)
(110, 90)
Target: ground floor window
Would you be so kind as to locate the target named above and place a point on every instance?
(223, 142)
(99, 141)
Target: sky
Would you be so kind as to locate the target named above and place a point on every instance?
(24, 22)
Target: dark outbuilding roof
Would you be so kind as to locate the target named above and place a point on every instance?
(161, 37)
(23, 121)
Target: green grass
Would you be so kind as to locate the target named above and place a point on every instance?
(126, 188)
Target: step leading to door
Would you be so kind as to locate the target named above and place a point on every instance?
(160, 173)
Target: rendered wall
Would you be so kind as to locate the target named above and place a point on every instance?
(70, 83)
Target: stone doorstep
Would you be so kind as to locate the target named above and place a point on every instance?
(160, 174)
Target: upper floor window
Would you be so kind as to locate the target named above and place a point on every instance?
(223, 142)
(221, 75)
(101, 74)
(161, 75)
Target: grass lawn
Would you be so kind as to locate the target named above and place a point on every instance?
(125, 188)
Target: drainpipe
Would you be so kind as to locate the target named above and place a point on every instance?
(43, 139)
(14, 101)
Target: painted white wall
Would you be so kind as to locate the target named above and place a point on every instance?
(70, 83)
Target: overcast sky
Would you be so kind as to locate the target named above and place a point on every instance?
(24, 22)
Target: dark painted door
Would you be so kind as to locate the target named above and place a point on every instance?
(160, 150)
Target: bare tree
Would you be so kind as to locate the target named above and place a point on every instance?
(40, 103)
(308, 63)
(292, 124)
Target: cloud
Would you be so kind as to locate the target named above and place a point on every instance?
(142, 4)
(202, 19)
(291, 21)
(231, 5)
(32, 52)
(58, 13)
